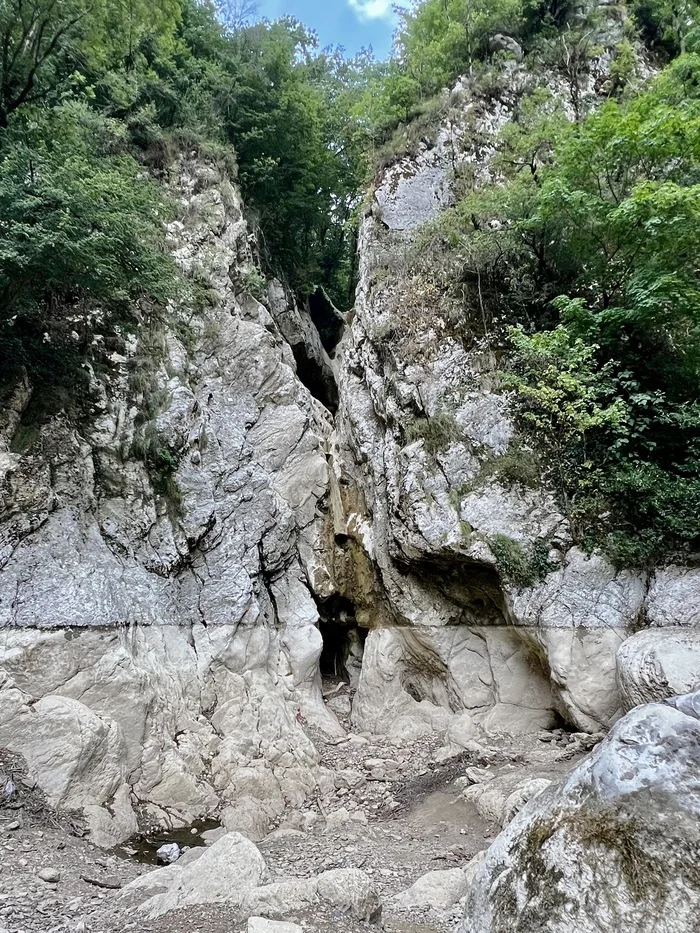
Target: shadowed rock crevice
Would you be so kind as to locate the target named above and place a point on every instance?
(328, 320)
(300, 330)
(474, 587)
(315, 373)
(343, 640)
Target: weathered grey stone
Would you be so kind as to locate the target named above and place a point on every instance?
(673, 597)
(658, 664)
(143, 698)
(492, 672)
(438, 890)
(222, 874)
(261, 925)
(281, 898)
(168, 853)
(501, 43)
(610, 848)
(350, 890)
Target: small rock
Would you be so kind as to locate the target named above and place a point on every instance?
(168, 853)
(263, 925)
(11, 827)
(49, 875)
(370, 764)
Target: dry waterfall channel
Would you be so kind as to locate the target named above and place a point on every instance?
(306, 667)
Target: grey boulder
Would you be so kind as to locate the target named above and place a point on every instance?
(612, 848)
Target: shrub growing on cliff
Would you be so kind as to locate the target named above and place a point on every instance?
(591, 243)
(516, 565)
(436, 431)
(81, 242)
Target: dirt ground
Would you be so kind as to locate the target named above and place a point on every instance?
(395, 829)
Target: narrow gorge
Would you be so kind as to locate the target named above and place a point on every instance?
(296, 591)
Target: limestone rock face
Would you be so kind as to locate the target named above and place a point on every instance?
(450, 542)
(161, 626)
(67, 744)
(658, 664)
(612, 847)
(188, 717)
(414, 679)
(158, 632)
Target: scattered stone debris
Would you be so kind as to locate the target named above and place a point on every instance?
(394, 842)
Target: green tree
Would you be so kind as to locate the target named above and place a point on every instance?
(81, 243)
(33, 34)
(611, 218)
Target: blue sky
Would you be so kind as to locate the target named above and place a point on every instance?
(350, 23)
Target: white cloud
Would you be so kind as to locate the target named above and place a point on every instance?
(372, 9)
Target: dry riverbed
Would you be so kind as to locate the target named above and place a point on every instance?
(396, 814)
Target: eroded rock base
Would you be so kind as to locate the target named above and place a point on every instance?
(400, 832)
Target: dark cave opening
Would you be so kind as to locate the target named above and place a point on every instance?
(343, 641)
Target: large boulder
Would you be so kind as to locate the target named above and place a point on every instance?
(281, 899)
(222, 874)
(261, 925)
(75, 755)
(657, 664)
(438, 890)
(349, 890)
(614, 847)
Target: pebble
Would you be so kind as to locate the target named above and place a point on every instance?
(168, 853)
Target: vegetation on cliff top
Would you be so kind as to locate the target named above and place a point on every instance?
(96, 98)
(577, 262)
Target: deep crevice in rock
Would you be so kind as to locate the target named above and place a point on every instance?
(475, 587)
(328, 320)
(317, 377)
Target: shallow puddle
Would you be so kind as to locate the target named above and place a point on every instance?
(143, 847)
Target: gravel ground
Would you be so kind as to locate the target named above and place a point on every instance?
(395, 813)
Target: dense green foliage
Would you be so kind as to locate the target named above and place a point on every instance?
(589, 244)
(81, 235)
(95, 95)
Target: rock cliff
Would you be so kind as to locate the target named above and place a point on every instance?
(259, 494)
(439, 512)
(158, 634)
